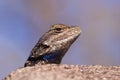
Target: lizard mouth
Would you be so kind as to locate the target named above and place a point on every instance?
(75, 31)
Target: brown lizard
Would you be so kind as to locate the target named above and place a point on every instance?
(53, 45)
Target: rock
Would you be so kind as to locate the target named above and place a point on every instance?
(65, 72)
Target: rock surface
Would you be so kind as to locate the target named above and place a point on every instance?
(65, 72)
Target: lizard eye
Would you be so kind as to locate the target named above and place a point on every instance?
(58, 29)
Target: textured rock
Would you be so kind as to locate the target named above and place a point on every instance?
(65, 72)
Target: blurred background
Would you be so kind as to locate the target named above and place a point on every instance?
(23, 22)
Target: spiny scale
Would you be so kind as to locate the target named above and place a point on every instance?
(53, 45)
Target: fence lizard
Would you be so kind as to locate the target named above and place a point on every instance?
(53, 45)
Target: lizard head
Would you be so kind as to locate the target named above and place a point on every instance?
(53, 45)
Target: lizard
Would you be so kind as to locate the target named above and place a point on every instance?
(53, 45)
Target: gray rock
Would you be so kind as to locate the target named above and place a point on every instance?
(65, 72)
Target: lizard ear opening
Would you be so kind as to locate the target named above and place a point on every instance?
(44, 46)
